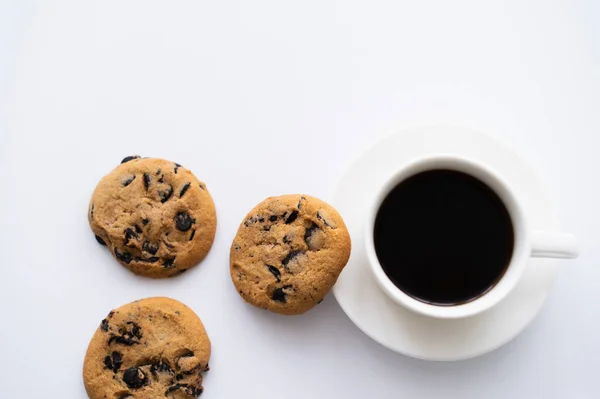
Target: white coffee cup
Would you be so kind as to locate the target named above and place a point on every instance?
(527, 243)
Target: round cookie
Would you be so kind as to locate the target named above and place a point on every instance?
(155, 216)
(288, 253)
(148, 349)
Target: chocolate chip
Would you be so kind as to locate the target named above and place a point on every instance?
(162, 366)
(261, 219)
(108, 362)
(117, 361)
(161, 179)
(92, 211)
(165, 194)
(145, 221)
(177, 166)
(104, 325)
(188, 389)
(127, 335)
(147, 246)
(289, 257)
(250, 221)
(127, 181)
(138, 229)
(147, 180)
(312, 238)
(201, 186)
(123, 340)
(134, 377)
(275, 272)
(123, 256)
(279, 295)
(183, 221)
(286, 239)
(129, 234)
(158, 172)
(100, 240)
(293, 216)
(184, 189)
(272, 218)
(130, 158)
(327, 223)
(192, 235)
(168, 263)
(193, 390)
(135, 330)
(309, 231)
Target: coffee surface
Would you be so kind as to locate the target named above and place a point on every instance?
(443, 237)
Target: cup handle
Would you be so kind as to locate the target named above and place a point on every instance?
(545, 244)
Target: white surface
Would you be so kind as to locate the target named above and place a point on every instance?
(388, 315)
(267, 97)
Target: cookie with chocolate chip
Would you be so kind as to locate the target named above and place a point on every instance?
(154, 216)
(288, 253)
(148, 349)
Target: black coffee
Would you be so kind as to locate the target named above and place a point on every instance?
(443, 237)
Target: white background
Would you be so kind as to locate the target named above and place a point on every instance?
(266, 97)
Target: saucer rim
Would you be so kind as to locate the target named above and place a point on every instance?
(458, 133)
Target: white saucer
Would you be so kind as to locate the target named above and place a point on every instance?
(398, 328)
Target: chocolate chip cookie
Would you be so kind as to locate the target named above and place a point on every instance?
(155, 216)
(288, 253)
(148, 349)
